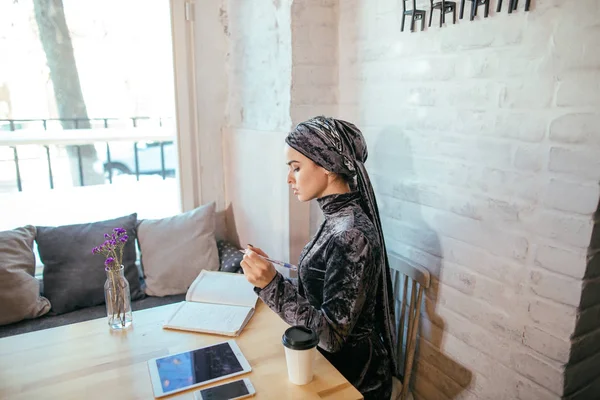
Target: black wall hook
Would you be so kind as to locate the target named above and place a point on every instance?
(415, 15)
(445, 7)
(512, 5)
(474, 5)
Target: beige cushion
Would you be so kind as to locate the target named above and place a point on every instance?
(19, 289)
(175, 249)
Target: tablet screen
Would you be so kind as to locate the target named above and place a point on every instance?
(186, 369)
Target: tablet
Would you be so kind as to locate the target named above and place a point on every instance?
(182, 371)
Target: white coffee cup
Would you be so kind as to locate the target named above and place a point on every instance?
(300, 344)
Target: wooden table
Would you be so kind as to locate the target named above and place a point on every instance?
(87, 361)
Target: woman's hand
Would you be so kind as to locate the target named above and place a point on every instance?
(258, 271)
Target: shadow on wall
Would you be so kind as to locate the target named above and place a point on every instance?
(583, 379)
(435, 374)
(225, 228)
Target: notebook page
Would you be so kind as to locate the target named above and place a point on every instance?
(222, 288)
(205, 317)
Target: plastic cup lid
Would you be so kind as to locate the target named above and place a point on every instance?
(299, 338)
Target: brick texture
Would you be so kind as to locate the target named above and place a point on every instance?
(484, 152)
(315, 82)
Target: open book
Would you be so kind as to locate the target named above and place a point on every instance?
(216, 302)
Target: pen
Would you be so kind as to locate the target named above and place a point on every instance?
(283, 264)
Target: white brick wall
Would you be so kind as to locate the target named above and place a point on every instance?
(281, 71)
(258, 114)
(260, 64)
(315, 82)
(484, 148)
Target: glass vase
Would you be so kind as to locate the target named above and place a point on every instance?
(118, 299)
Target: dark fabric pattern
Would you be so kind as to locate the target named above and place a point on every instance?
(73, 276)
(339, 147)
(333, 144)
(229, 256)
(339, 276)
(85, 314)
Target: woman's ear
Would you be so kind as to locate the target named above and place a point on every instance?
(325, 171)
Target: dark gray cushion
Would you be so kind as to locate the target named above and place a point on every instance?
(73, 276)
(230, 257)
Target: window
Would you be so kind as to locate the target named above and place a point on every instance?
(87, 112)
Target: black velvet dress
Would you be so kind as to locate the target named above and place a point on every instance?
(335, 295)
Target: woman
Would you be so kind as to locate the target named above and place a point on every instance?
(344, 289)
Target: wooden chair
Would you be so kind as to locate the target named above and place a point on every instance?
(415, 15)
(445, 7)
(409, 279)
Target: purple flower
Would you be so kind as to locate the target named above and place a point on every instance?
(113, 245)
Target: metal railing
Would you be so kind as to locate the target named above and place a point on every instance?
(46, 132)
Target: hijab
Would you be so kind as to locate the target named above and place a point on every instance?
(339, 147)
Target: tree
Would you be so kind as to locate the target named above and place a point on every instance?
(57, 44)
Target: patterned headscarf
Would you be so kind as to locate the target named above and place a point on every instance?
(339, 147)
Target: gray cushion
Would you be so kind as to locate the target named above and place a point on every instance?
(175, 250)
(73, 276)
(19, 290)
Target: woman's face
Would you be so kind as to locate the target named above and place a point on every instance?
(307, 179)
